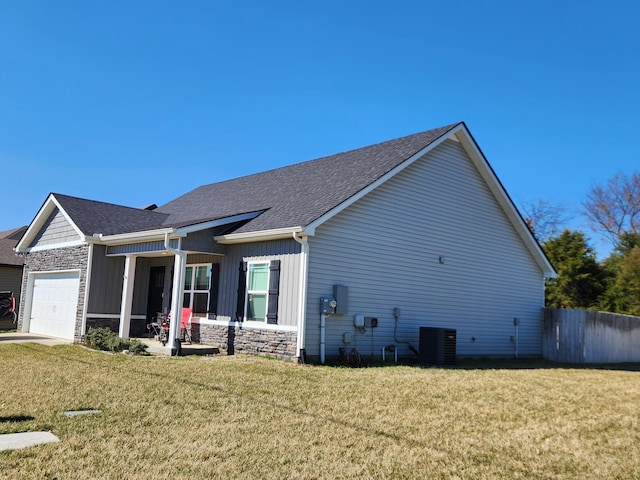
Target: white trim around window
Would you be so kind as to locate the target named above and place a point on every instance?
(256, 303)
(197, 283)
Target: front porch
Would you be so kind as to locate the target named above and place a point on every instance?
(132, 285)
(156, 347)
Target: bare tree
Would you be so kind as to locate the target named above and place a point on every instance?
(544, 219)
(613, 208)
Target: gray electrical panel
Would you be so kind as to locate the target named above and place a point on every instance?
(341, 295)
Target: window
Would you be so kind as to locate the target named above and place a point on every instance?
(257, 291)
(197, 280)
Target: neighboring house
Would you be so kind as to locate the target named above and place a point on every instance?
(419, 230)
(10, 267)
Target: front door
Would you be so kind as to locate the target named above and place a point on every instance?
(156, 291)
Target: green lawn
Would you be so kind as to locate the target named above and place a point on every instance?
(241, 417)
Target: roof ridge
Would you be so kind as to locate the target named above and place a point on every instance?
(72, 197)
(351, 151)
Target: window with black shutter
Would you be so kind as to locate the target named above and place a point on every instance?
(242, 286)
(213, 291)
(274, 291)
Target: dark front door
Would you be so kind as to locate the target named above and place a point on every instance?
(156, 290)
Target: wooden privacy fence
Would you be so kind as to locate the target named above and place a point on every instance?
(585, 336)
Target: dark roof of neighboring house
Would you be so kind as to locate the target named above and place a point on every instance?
(291, 196)
(14, 233)
(7, 255)
(298, 194)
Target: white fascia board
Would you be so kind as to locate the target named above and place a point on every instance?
(499, 192)
(132, 237)
(261, 236)
(311, 228)
(48, 207)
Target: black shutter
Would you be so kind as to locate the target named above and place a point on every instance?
(274, 291)
(242, 290)
(213, 291)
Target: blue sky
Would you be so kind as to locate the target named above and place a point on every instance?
(138, 102)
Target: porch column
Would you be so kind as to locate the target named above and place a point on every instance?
(179, 266)
(127, 295)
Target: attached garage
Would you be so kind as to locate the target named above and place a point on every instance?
(54, 303)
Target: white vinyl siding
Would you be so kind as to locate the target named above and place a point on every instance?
(433, 242)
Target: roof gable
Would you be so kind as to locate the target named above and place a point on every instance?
(57, 229)
(64, 220)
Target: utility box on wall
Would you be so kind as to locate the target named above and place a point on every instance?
(437, 346)
(341, 295)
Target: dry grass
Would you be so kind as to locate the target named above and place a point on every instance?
(238, 417)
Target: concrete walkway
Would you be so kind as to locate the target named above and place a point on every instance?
(155, 347)
(19, 337)
(13, 441)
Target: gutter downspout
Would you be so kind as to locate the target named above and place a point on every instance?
(177, 290)
(302, 294)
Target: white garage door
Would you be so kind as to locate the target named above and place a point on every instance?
(54, 303)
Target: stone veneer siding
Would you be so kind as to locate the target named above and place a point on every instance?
(57, 259)
(252, 341)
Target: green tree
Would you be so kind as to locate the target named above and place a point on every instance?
(622, 293)
(580, 280)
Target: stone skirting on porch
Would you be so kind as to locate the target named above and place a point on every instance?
(251, 341)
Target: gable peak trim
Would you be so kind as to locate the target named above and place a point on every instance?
(46, 210)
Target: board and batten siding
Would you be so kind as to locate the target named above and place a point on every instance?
(105, 296)
(105, 289)
(56, 230)
(11, 279)
(433, 242)
(288, 252)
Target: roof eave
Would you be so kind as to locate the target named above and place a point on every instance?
(159, 233)
(131, 237)
(259, 236)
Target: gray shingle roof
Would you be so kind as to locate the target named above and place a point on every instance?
(296, 195)
(7, 255)
(106, 218)
(291, 196)
(14, 233)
